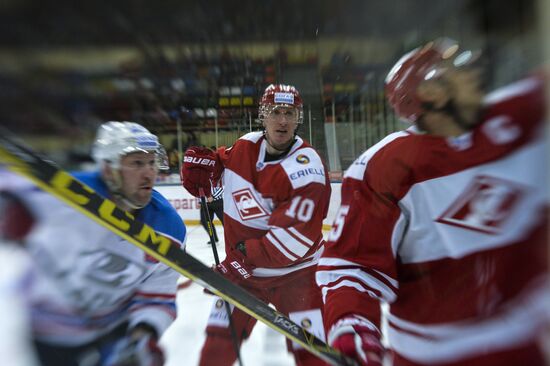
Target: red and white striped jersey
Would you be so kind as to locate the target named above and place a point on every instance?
(276, 207)
(451, 232)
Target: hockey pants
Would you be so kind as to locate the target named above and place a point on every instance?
(295, 295)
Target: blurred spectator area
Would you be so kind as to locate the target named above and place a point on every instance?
(207, 100)
(197, 70)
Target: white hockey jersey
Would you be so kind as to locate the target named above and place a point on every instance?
(276, 207)
(15, 275)
(451, 232)
(87, 279)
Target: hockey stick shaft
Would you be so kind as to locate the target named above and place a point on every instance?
(68, 189)
(210, 225)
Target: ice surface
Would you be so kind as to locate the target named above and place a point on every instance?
(183, 340)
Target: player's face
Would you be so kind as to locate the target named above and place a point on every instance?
(468, 93)
(462, 87)
(138, 174)
(280, 125)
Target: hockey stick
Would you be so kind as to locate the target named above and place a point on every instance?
(68, 189)
(210, 225)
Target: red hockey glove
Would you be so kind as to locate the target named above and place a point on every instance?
(234, 266)
(199, 164)
(357, 338)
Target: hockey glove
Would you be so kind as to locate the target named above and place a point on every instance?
(357, 338)
(234, 266)
(199, 164)
(143, 351)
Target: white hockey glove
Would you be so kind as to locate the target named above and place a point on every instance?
(143, 351)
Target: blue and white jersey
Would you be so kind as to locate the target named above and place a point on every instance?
(90, 280)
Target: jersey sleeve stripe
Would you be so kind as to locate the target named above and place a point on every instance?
(370, 281)
(299, 235)
(297, 247)
(167, 308)
(345, 283)
(425, 343)
(281, 247)
(338, 262)
(372, 292)
(156, 295)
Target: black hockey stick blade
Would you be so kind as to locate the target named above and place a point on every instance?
(46, 175)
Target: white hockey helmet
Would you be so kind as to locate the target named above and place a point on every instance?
(117, 139)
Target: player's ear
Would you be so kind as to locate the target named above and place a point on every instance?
(106, 171)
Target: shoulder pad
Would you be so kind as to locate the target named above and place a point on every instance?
(252, 136)
(357, 169)
(304, 166)
(520, 88)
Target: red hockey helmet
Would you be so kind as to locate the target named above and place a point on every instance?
(423, 63)
(281, 95)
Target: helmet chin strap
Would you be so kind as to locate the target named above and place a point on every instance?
(126, 201)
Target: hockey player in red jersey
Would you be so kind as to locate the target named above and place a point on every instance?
(446, 222)
(276, 195)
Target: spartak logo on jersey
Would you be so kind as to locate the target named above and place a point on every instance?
(485, 205)
(249, 208)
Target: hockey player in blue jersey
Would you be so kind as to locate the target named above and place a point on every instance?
(96, 299)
